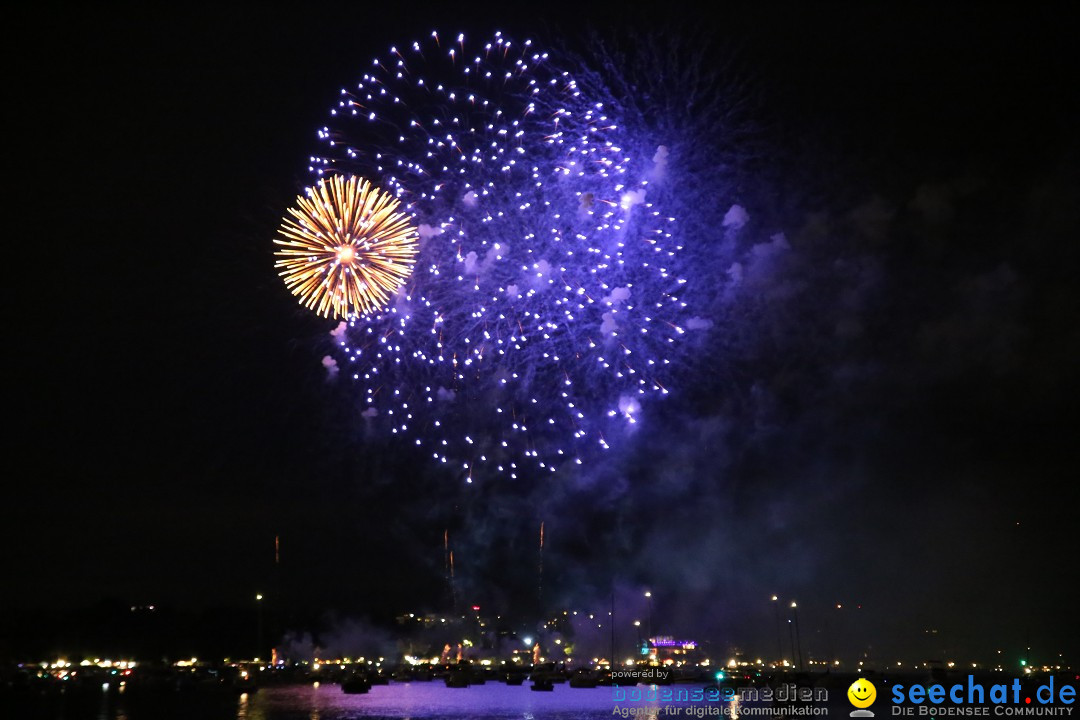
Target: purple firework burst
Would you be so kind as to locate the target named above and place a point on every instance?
(544, 313)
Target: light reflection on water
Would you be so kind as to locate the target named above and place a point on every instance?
(492, 701)
(428, 701)
(402, 701)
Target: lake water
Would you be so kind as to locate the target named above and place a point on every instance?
(429, 701)
(434, 701)
(415, 701)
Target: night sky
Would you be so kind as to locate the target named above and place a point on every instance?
(890, 421)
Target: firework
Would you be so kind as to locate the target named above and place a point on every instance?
(346, 249)
(544, 312)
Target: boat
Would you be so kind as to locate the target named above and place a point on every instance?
(584, 678)
(457, 679)
(542, 685)
(355, 685)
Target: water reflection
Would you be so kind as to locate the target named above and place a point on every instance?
(401, 701)
(430, 701)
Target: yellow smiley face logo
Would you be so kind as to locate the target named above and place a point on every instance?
(862, 693)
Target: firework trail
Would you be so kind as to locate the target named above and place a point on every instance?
(543, 313)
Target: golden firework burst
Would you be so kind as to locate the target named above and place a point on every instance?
(345, 250)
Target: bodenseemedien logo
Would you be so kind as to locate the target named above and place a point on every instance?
(862, 694)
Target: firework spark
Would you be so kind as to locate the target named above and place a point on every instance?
(545, 311)
(346, 250)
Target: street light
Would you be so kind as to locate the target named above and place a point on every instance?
(779, 643)
(648, 596)
(259, 638)
(795, 613)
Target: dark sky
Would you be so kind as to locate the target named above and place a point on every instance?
(168, 414)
